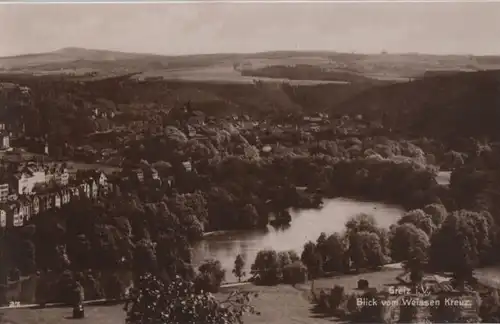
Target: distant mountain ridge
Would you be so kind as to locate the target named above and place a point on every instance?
(417, 61)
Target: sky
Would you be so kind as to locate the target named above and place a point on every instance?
(198, 28)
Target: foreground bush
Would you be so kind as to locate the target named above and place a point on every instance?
(177, 302)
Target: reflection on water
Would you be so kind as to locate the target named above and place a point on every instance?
(306, 225)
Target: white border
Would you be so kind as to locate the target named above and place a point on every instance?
(238, 1)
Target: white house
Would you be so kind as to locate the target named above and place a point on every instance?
(17, 217)
(3, 218)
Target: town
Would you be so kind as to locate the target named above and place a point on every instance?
(353, 179)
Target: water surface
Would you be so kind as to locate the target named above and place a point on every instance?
(306, 225)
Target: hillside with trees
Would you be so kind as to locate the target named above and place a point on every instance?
(467, 103)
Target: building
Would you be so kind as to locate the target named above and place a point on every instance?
(103, 179)
(5, 143)
(138, 174)
(35, 205)
(4, 192)
(3, 217)
(65, 196)
(187, 166)
(17, 217)
(93, 189)
(75, 192)
(63, 176)
(32, 174)
(25, 208)
(47, 202)
(84, 190)
(154, 174)
(24, 182)
(4, 137)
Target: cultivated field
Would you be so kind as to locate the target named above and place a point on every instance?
(221, 74)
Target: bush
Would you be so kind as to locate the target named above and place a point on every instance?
(266, 267)
(210, 277)
(295, 273)
(178, 302)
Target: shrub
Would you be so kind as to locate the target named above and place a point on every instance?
(210, 277)
(295, 273)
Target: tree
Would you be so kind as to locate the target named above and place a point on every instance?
(462, 243)
(239, 265)
(408, 242)
(295, 273)
(293, 256)
(145, 257)
(334, 253)
(420, 219)
(266, 267)
(437, 212)
(178, 302)
(311, 258)
(210, 277)
(26, 257)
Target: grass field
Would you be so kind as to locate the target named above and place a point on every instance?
(282, 304)
(222, 73)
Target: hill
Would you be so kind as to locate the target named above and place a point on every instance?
(445, 106)
(228, 67)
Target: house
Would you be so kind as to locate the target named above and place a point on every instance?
(75, 192)
(65, 196)
(5, 142)
(139, 175)
(187, 166)
(47, 202)
(5, 137)
(35, 205)
(17, 217)
(196, 120)
(50, 174)
(170, 181)
(24, 182)
(3, 217)
(154, 174)
(247, 125)
(4, 192)
(84, 190)
(93, 189)
(61, 176)
(38, 174)
(25, 208)
(57, 200)
(102, 180)
(27, 177)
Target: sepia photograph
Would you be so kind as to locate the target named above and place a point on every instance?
(249, 162)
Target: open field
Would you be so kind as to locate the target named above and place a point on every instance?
(222, 74)
(282, 304)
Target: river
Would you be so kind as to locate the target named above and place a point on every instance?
(306, 225)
